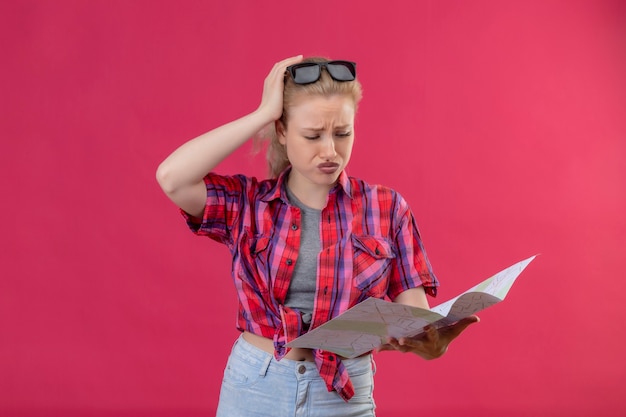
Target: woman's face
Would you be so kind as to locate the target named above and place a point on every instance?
(318, 139)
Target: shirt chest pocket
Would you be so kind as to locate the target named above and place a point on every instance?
(373, 258)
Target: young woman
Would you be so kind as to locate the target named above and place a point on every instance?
(307, 244)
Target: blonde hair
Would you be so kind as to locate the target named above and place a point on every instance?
(326, 86)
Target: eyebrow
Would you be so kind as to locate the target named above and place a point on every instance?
(319, 129)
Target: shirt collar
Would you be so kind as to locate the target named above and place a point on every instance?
(278, 191)
(344, 182)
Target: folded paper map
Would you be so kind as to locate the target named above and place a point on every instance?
(367, 325)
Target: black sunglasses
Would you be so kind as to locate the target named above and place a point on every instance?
(309, 72)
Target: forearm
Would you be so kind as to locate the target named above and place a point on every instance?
(181, 174)
(414, 297)
(188, 164)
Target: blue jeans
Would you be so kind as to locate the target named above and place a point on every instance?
(256, 384)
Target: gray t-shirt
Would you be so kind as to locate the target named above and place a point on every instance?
(301, 293)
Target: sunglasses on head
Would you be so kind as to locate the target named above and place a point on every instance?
(309, 72)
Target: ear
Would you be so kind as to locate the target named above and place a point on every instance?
(280, 131)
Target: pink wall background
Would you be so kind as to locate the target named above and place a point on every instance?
(501, 122)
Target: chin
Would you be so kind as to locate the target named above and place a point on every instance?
(332, 181)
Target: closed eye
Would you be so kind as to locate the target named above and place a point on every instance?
(343, 134)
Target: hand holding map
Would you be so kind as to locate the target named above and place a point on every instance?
(367, 325)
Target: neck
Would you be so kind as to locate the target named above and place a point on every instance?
(311, 195)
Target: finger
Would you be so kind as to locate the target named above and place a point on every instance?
(454, 330)
(280, 66)
(471, 319)
(275, 79)
(432, 334)
(392, 341)
(384, 347)
(292, 60)
(395, 344)
(465, 322)
(429, 334)
(422, 343)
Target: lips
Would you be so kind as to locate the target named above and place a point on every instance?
(328, 167)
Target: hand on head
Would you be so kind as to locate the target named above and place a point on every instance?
(272, 99)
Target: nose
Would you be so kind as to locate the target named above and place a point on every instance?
(327, 150)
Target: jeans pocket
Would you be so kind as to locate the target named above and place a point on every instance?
(362, 377)
(241, 373)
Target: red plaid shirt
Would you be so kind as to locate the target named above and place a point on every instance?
(370, 248)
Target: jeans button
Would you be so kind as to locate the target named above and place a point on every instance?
(301, 369)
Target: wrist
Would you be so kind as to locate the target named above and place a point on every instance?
(267, 115)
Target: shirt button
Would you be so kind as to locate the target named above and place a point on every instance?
(289, 262)
(294, 227)
(301, 369)
(331, 358)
